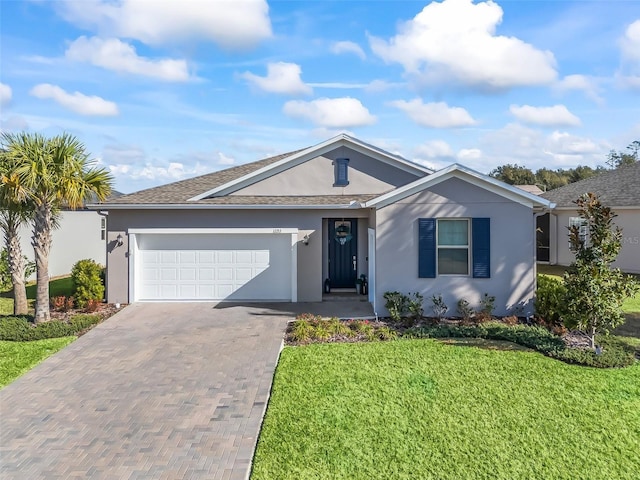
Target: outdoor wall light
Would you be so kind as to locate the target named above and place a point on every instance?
(119, 240)
(305, 239)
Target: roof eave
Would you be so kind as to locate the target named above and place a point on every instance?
(209, 206)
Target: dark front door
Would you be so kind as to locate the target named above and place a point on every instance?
(343, 252)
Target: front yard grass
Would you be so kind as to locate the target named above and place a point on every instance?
(17, 358)
(430, 410)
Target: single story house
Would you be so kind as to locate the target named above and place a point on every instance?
(618, 189)
(281, 228)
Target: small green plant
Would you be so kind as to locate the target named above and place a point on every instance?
(301, 331)
(550, 300)
(439, 307)
(396, 304)
(20, 329)
(415, 308)
(87, 282)
(464, 310)
(487, 306)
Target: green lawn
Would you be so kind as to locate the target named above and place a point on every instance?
(57, 287)
(17, 358)
(425, 409)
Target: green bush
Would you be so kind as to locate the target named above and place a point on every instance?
(396, 304)
(615, 352)
(20, 329)
(550, 300)
(87, 281)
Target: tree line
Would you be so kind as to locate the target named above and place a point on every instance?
(549, 179)
(39, 177)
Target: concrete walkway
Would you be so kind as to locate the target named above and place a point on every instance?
(159, 391)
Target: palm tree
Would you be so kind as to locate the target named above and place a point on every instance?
(13, 214)
(52, 173)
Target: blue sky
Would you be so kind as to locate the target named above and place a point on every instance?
(159, 90)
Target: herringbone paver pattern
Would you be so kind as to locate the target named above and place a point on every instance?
(159, 391)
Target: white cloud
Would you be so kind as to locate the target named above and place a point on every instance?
(348, 47)
(434, 115)
(343, 112)
(281, 78)
(225, 160)
(434, 149)
(516, 143)
(116, 55)
(455, 41)
(171, 172)
(469, 154)
(76, 102)
(5, 94)
(588, 85)
(630, 43)
(231, 24)
(555, 116)
(629, 73)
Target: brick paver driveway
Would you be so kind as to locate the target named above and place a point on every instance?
(158, 391)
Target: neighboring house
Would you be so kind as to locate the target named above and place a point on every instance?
(276, 229)
(80, 235)
(618, 189)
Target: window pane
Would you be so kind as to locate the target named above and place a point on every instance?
(453, 232)
(453, 261)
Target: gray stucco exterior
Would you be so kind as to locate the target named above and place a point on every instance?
(386, 195)
(512, 279)
(628, 219)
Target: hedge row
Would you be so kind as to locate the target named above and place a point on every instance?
(614, 354)
(20, 329)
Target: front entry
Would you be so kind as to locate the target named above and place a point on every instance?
(343, 252)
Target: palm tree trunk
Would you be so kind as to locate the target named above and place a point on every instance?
(16, 267)
(41, 241)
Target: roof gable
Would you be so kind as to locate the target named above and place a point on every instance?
(468, 175)
(305, 155)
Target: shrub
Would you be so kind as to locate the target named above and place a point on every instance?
(301, 331)
(397, 305)
(464, 310)
(439, 307)
(62, 303)
(92, 306)
(510, 320)
(20, 329)
(615, 352)
(550, 300)
(415, 308)
(487, 306)
(87, 282)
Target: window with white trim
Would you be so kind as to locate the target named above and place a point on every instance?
(453, 242)
(583, 227)
(103, 228)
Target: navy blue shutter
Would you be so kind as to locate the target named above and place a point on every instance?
(427, 248)
(481, 237)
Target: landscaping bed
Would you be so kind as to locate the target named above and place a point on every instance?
(570, 347)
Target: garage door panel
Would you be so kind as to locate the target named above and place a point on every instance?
(214, 267)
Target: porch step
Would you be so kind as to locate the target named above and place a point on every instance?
(344, 297)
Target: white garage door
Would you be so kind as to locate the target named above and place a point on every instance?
(213, 267)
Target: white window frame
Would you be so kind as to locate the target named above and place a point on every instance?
(461, 247)
(583, 228)
(103, 228)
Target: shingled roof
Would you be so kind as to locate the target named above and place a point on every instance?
(179, 192)
(615, 188)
